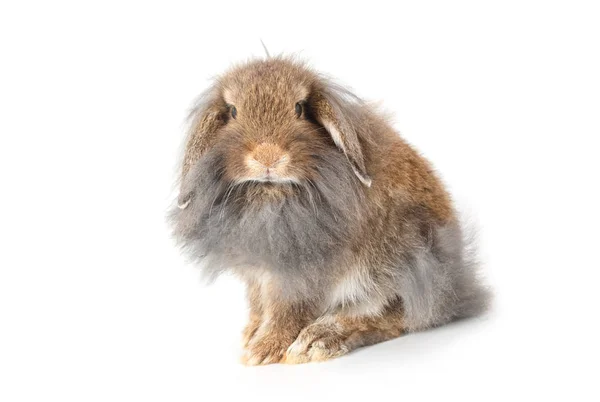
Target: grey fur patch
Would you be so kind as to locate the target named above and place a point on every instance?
(294, 235)
(439, 283)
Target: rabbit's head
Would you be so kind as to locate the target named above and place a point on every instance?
(274, 121)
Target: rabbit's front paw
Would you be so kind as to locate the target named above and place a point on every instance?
(250, 331)
(266, 348)
(318, 342)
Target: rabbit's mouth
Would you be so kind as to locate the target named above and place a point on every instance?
(270, 179)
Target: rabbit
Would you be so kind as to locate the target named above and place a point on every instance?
(342, 233)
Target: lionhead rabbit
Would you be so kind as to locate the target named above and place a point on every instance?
(342, 233)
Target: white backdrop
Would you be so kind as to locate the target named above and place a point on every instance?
(97, 304)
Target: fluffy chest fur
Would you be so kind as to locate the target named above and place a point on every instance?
(289, 228)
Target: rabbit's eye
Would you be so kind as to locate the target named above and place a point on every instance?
(233, 111)
(299, 109)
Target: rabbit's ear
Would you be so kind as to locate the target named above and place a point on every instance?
(340, 113)
(207, 116)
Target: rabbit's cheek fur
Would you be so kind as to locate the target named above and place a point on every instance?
(293, 230)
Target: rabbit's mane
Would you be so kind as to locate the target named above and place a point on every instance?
(229, 224)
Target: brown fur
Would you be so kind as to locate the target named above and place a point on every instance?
(274, 323)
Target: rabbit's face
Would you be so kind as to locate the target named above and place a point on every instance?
(275, 126)
(269, 133)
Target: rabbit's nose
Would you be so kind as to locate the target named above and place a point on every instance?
(269, 155)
